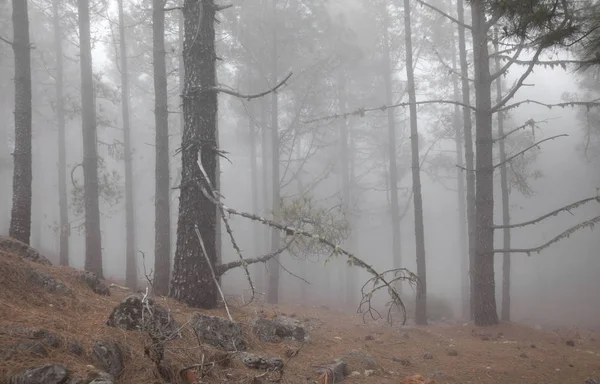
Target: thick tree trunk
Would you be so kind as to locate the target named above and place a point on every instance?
(93, 240)
(20, 220)
(131, 275)
(393, 166)
(483, 279)
(505, 312)
(64, 229)
(421, 301)
(192, 281)
(469, 153)
(162, 196)
(273, 289)
(462, 209)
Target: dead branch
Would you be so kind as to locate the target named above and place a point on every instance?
(566, 208)
(589, 223)
(552, 63)
(361, 111)
(587, 104)
(172, 9)
(510, 62)
(447, 16)
(509, 159)
(219, 8)
(256, 95)
(212, 271)
(146, 274)
(221, 269)
(291, 273)
(528, 124)
(6, 41)
(72, 174)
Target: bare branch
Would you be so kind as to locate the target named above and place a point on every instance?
(528, 124)
(361, 111)
(257, 95)
(172, 9)
(552, 63)
(586, 224)
(6, 41)
(221, 269)
(509, 159)
(587, 104)
(219, 8)
(454, 20)
(566, 208)
(510, 62)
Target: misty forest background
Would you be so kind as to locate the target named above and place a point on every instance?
(289, 156)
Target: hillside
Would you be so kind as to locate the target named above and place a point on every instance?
(51, 314)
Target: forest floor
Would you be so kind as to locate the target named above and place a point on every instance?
(441, 352)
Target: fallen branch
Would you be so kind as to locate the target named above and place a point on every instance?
(589, 223)
(221, 269)
(256, 95)
(509, 159)
(566, 208)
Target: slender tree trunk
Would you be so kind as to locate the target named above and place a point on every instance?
(421, 302)
(93, 240)
(131, 275)
(64, 229)
(192, 281)
(273, 289)
(505, 312)
(266, 160)
(484, 285)
(162, 203)
(469, 153)
(20, 220)
(393, 167)
(462, 209)
(349, 294)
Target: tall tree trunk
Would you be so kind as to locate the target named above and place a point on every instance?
(483, 269)
(273, 289)
(393, 167)
(421, 302)
(469, 153)
(265, 161)
(192, 281)
(64, 229)
(349, 295)
(505, 312)
(20, 220)
(162, 203)
(93, 240)
(131, 275)
(462, 209)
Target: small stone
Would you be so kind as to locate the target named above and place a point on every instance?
(533, 346)
(428, 356)
(369, 337)
(523, 355)
(437, 374)
(369, 372)
(452, 352)
(570, 343)
(402, 360)
(354, 374)
(591, 380)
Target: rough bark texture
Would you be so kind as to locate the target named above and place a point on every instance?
(273, 289)
(65, 229)
(265, 177)
(162, 209)
(484, 308)
(421, 301)
(192, 281)
(462, 206)
(93, 240)
(393, 166)
(20, 220)
(131, 275)
(505, 312)
(469, 154)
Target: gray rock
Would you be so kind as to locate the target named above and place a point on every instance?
(278, 328)
(94, 283)
(427, 356)
(337, 371)
(254, 361)
(47, 338)
(75, 348)
(592, 380)
(218, 332)
(108, 356)
(132, 314)
(47, 282)
(24, 251)
(50, 373)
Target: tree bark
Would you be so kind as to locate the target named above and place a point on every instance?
(505, 311)
(131, 276)
(462, 208)
(469, 153)
(64, 226)
(393, 166)
(421, 301)
(93, 240)
(192, 281)
(20, 220)
(273, 289)
(484, 310)
(162, 203)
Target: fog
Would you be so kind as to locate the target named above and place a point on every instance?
(558, 286)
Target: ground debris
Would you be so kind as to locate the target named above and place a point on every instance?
(49, 373)
(254, 361)
(280, 328)
(218, 332)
